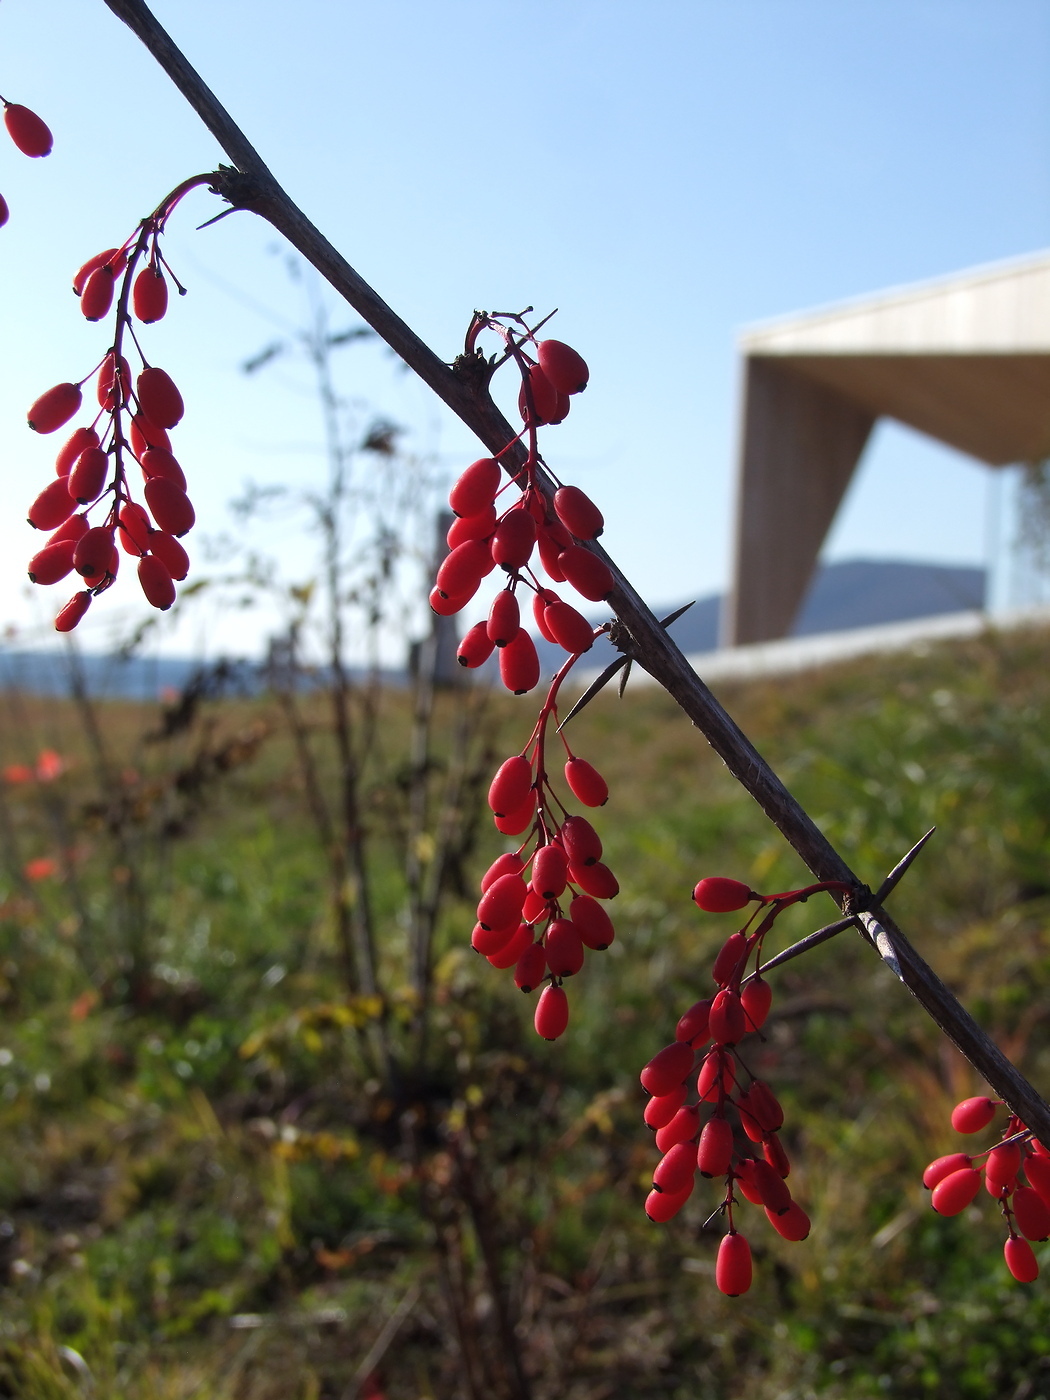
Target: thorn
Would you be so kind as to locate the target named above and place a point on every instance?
(898, 872)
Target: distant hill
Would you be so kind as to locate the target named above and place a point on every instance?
(855, 593)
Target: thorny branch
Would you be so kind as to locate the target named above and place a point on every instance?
(463, 387)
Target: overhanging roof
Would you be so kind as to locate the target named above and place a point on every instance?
(964, 359)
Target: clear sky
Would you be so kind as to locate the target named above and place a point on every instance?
(664, 174)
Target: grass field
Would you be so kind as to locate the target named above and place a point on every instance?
(207, 1189)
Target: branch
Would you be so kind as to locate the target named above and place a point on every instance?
(463, 387)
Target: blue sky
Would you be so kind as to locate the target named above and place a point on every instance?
(665, 175)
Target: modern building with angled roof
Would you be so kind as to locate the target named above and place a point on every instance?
(965, 359)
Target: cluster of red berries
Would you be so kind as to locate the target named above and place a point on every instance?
(1016, 1173)
(701, 1136)
(30, 134)
(556, 528)
(539, 910)
(92, 468)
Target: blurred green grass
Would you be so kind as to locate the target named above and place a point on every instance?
(204, 1193)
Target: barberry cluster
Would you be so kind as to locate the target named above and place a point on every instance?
(540, 921)
(132, 421)
(696, 1138)
(1016, 1173)
(30, 134)
(556, 527)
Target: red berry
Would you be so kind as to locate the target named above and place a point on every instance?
(728, 1024)
(676, 1168)
(1021, 1260)
(589, 575)
(693, 1025)
(170, 553)
(531, 968)
(156, 461)
(580, 840)
(586, 783)
(564, 948)
(114, 257)
(550, 869)
(578, 513)
(500, 905)
(158, 397)
(540, 600)
(86, 480)
(476, 647)
(549, 549)
(510, 863)
(490, 942)
(597, 880)
(1002, 1165)
(775, 1155)
(509, 955)
(552, 1013)
(511, 786)
(463, 569)
(514, 539)
(170, 507)
(108, 392)
(134, 530)
(504, 619)
(146, 434)
(5, 212)
(715, 1149)
(93, 555)
(515, 822)
(765, 1106)
(661, 1108)
(1037, 1170)
(476, 487)
(565, 369)
(81, 439)
(52, 506)
(954, 1192)
(744, 1177)
(596, 928)
(156, 582)
(73, 612)
(550, 405)
(752, 1126)
(727, 965)
(944, 1166)
(770, 1186)
(667, 1069)
(97, 296)
(149, 296)
(972, 1115)
(756, 998)
(472, 527)
(54, 408)
(71, 529)
(716, 1077)
(52, 563)
(535, 907)
(519, 663)
(1031, 1213)
(718, 895)
(794, 1224)
(682, 1128)
(733, 1265)
(661, 1206)
(28, 131)
(447, 606)
(569, 628)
